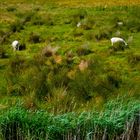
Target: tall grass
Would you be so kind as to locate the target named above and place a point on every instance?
(118, 120)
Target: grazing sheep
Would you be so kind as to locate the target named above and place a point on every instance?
(79, 24)
(117, 39)
(15, 45)
(120, 23)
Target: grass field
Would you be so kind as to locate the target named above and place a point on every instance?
(64, 69)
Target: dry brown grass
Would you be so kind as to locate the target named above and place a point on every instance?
(90, 3)
(70, 3)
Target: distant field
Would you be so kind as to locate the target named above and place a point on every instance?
(97, 2)
(78, 3)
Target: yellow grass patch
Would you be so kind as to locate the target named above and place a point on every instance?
(90, 3)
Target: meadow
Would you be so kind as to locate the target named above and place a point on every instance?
(68, 82)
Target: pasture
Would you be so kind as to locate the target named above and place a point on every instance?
(69, 71)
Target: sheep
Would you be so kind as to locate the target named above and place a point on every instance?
(120, 23)
(79, 24)
(15, 45)
(117, 39)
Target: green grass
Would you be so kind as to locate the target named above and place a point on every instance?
(39, 27)
(17, 122)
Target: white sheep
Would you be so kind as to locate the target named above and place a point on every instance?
(120, 23)
(117, 39)
(79, 24)
(15, 45)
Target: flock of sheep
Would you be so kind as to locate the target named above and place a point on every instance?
(16, 44)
